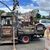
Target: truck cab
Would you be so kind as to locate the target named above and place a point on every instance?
(6, 28)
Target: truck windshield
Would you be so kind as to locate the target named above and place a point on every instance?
(6, 21)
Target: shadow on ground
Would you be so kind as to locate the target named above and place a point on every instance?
(32, 41)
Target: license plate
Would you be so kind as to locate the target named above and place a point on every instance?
(40, 28)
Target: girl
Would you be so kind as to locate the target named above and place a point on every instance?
(47, 38)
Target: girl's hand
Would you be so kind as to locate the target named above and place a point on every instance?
(45, 49)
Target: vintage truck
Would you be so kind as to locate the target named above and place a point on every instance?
(25, 31)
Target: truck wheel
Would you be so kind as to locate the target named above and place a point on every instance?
(25, 39)
(42, 35)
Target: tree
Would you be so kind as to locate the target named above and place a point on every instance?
(35, 10)
(1, 11)
(38, 16)
(43, 17)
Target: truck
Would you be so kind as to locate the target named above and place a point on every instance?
(25, 30)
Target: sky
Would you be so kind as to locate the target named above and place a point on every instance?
(28, 5)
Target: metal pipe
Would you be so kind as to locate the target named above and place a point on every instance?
(15, 4)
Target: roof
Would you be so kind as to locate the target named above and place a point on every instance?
(5, 16)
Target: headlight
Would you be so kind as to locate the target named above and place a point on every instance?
(39, 28)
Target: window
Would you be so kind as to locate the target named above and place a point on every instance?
(6, 21)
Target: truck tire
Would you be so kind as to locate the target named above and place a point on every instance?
(25, 39)
(42, 36)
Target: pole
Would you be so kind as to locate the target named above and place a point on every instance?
(16, 4)
(14, 48)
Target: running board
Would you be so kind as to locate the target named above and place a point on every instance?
(5, 42)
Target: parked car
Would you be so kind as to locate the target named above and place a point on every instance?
(45, 22)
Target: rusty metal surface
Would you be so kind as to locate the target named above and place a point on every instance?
(7, 31)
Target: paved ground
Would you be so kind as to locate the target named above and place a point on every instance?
(33, 45)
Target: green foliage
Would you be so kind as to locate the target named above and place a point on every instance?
(43, 17)
(38, 16)
(1, 11)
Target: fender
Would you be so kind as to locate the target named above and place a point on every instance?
(41, 25)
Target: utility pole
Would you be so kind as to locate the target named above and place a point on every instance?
(15, 6)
